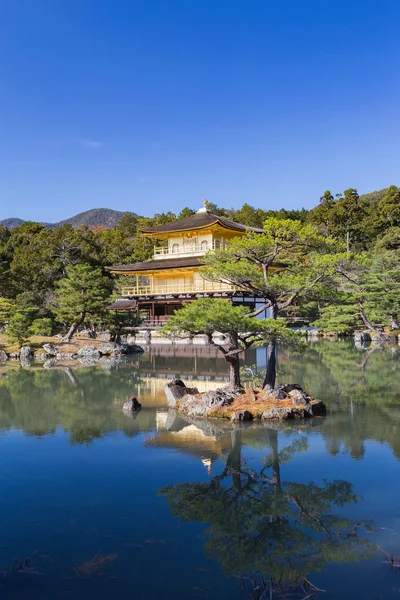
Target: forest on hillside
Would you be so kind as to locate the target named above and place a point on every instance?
(38, 265)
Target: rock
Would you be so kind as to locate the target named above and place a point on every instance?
(50, 349)
(113, 348)
(89, 352)
(278, 393)
(174, 421)
(109, 348)
(65, 355)
(131, 405)
(290, 387)
(88, 361)
(299, 398)
(41, 356)
(282, 390)
(383, 339)
(313, 333)
(362, 336)
(203, 403)
(25, 362)
(3, 357)
(312, 409)
(241, 415)
(85, 335)
(25, 352)
(130, 349)
(14, 355)
(49, 363)
(104, 336)
(175, 390)
(108, 363)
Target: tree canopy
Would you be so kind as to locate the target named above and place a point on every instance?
(207, 316)
(34, 257)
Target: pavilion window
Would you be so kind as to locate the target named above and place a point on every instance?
(204, 246)
(175, 248)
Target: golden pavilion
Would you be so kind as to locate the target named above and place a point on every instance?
(158, 287)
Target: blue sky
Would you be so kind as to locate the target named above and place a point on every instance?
(152, 105)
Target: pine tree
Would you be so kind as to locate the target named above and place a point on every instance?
(17, 329)
(368, 292)
(80, 295)
(206, 316)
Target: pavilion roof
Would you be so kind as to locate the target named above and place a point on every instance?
(203, 219)
(121, 304)
(160, 264)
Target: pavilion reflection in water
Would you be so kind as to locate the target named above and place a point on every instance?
(204, 367)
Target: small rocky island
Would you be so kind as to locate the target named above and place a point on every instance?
(284, 401)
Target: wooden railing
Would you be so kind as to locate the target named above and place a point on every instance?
(183, 288)
(180, 249)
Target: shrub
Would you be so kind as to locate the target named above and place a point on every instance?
(42, 326)
(17, 329)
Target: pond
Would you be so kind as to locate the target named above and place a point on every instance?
(94, 504)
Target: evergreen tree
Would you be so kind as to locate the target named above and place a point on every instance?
(7, 308)
(206, 316)
(80, 295)
(367, 294)
(282, 266)
(17, 329)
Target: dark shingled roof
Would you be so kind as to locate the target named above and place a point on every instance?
(162, 264)
(122, 305)
(200, 220)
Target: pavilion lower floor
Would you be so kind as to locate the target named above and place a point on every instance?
(156, 311)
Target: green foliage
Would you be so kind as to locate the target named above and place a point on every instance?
(17, 329)
(82, 294)
(341, 317)
(186, 212)
(206, 316)
(290, 263)
(34, 257)
(116, 322)
(343, 218)
(367, 292)
(43, 326)
(7, 308)
(257, 522)
(81, 402)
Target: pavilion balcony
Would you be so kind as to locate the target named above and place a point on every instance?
(186, 249)
(198, 287)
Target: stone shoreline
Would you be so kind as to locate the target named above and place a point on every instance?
(285, 401)
(88, 354)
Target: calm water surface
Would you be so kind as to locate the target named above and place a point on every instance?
(94, 504)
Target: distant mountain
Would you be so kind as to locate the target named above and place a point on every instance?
(104, 217)
(373, 197)
(11, 223)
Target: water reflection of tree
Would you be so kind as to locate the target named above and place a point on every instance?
(81, 402)
(360, 389)
(261, 524)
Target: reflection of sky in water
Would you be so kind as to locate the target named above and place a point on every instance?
(78, 479)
